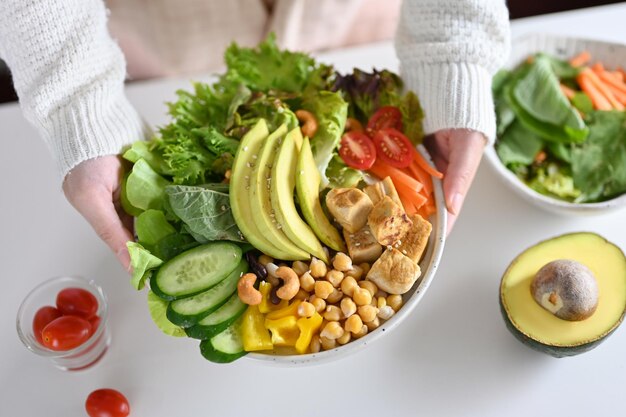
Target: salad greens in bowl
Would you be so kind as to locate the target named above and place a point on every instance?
(561, 124)
(285, 212)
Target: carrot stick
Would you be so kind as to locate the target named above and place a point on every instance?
(617, 75)
(421, 175)
(621, 70)
(604, 90)
(599, 101)
(381, 170)
(416, 199)
(417, 157)
(621, 86)
(567, 92)
(580, 59)
(598, 67)
(409, 207)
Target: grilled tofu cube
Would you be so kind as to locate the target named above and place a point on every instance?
(350, 207)
(379, 190)
(362, 246)
(388, 222)
(394, 272)
(414, 242)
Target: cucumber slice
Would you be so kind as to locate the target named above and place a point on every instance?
(195, 270)
(219, 320)
(224, 347)
(189, 311)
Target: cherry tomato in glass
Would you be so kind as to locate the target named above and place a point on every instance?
(66, 332)
(357, 150)
(107, 402)
(393, 148)
(95, 323)
(43, 316)
(77, 302)
(386, 116)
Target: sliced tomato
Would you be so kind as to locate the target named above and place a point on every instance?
(385, 117)
(357, 150)
(393, 148)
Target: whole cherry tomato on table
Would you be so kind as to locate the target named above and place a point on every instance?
(77, 302)
(43, 316)
(107, 402)
(66, 332)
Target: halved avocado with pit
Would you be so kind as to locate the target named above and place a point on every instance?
(540, 329)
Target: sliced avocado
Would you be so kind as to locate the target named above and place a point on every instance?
(239, 185)
(282, 188)
(308, 181)
(260, 197)
(542, 330)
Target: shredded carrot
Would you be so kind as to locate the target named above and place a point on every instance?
(382, 170)
(567, 92)
(421, 175)
(417, 157)
(603, 88)
(600, 102)
(581, 59)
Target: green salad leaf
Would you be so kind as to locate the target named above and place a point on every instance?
(142, 263)
(151, 226)
(342, 176)
(144, 187)
(555, 180)
(158, 310)
(518, 145)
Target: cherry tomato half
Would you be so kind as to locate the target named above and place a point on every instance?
(393, 147)
(77, 302)
(66, 332)
(357, 150)
(43, 316)
(107, 402)
(386, 116)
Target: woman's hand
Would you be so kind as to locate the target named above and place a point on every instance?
(456, 153)
(93, 188)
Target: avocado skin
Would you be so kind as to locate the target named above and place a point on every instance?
(548, 349)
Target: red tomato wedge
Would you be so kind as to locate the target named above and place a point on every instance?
(357, 150)
(107, 402)
(385, 117)
(393, 148)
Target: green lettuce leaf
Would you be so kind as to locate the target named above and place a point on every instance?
(142, 263)
(158, 309)
(151, 226)
(342, 176)
(205, 212)
(518, 145)
(144, 187)
(556, 181)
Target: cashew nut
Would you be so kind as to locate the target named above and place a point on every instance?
(309, 123)
(353, 125)
(291, 283)
(246, 291)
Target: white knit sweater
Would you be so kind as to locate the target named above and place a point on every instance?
(69, 73)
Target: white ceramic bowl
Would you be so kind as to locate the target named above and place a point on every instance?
(428, 265)
(612, 55)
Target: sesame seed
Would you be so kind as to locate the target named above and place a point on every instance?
(245, 148)
(254, 156)
(357, 244)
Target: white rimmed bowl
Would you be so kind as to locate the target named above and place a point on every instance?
(612, 55)
(428, 265)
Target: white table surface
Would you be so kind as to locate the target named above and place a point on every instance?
(452, 357)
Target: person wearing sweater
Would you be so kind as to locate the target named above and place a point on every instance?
(69, 74)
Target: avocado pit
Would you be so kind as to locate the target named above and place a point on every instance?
(567, 289)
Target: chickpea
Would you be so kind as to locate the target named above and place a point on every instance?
(315, 345)
(318, 303)
(345, 338)
(300, 267)
(373, 325)
(328, 344)
(334, 296)
(381, 302)
(318, 268)
(334, 277)
(353, 324)
(348, 307)
(356, 272)
(301, 295)
(348, 285)
(333, 313)
(307, 282)
(364, 330)
(381, 293)
(323, 289)
(385, 312)
(369, 285)
(365, 267)
(342, 262)
(306, 309)
(367, 313)
(395, 301)
(332, 330)
(264, 260)
(362, 296)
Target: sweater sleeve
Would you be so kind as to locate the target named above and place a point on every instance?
(69, 77)
(449, 51)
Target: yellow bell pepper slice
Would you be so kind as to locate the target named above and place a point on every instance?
(253, 332)
(290, 310)
(285, 331)
(266, 305)
(308, 327)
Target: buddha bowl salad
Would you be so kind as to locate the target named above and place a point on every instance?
(561, 127)
(256, 229)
